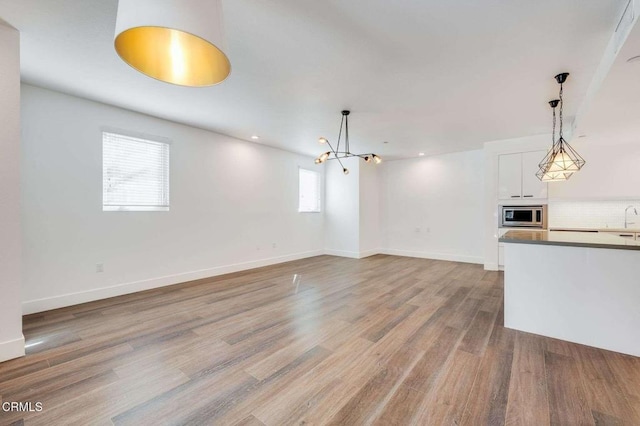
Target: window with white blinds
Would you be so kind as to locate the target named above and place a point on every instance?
(309, 192)
(135, 174)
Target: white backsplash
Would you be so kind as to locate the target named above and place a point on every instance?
(591, 214)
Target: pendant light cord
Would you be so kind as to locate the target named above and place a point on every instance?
(553, 134)
(561, 119)
(561, 160)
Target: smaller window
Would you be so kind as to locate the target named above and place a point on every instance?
(135, 174)
(309, 191)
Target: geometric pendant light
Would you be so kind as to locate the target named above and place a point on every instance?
(562, 160)
(345, 152)
(544, 173)
(176, 41)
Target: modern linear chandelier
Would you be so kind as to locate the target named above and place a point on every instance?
(179, 42)
(562, 161)
(337, 154)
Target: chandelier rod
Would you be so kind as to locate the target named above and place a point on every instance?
(346, 127)
(339, 135)
(338, 154)
(349, 154)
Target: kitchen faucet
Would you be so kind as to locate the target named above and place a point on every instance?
(626, 223)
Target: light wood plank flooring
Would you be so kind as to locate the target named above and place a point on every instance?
(384, 340)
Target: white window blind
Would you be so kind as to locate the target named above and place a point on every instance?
(135, 173)
(309, 191)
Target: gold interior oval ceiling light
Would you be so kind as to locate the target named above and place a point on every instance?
(176, 41)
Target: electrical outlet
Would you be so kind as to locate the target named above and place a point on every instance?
(99, 267)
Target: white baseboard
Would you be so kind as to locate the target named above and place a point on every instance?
(491, 267)
(352, 254)
(55, 302)
(368, 253)
(343, 253)
(433, 255)
(12, 349)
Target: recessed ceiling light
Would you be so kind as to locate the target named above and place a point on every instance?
(421, 154)
(634, 59)
(255, 137)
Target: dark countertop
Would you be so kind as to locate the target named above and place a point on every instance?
(570, 239)
(616, 230)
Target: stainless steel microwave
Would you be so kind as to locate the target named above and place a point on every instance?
(523, 217)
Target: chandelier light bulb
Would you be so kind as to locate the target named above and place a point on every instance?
(377, 159)
(562, 162)
(322, 140)
(345, 171)
(367, 159)
(318, 161)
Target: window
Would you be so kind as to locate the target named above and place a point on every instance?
(135, 174)
(309, 191)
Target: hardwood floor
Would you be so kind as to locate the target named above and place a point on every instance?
(384, 340)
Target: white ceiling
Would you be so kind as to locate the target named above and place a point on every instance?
(431, 76)
(612, 116)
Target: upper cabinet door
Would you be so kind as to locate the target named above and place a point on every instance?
(532, 187)
(510, 177)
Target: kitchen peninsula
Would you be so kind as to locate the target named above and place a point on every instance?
(574, 286)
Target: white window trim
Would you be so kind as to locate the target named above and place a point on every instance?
(134, 208)
(320, 186)
(147, 137)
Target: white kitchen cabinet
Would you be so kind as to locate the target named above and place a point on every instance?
(532, 187)
(510, 176)
(517, 176)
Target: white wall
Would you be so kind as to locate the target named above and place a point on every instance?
(342, 214)
(433, 207)
(352, 226)
(230, 202)
(597, 195)
(11, 340)
(369, 209)
(594, 214)
(610, 172)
